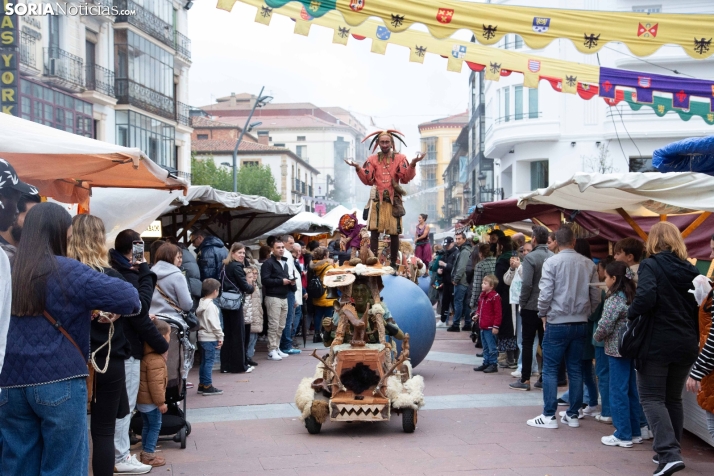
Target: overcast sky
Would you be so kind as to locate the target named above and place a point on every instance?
(232, 53)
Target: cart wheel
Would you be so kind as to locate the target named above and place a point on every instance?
(313, 427)
(409, 419)
(182, 435)
(188, 428)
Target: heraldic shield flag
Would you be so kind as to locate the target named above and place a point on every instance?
(383, 33)
(541, 24)
(458, 52)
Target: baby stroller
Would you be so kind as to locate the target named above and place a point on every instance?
(179, 361)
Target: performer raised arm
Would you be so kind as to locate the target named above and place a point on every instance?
(386, 170)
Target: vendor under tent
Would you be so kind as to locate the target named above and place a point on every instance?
(229, 216)
(304, 223)
(66, 167)
(695, 154)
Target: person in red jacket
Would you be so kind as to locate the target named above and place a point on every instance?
(488, 314)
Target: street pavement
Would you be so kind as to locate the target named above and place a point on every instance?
(472, 424)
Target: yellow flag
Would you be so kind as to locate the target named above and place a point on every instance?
(302, 27)
(530, 80)
(493, 71)
(454, 64)
(570, 85)
(417, 54)
(341, 35)
(226, 5)
(263, 15)
(379, 46)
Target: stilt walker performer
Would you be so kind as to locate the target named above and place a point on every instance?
(385, 171)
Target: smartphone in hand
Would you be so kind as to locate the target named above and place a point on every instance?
(137, 252)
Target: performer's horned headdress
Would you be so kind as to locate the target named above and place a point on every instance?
(393, 134)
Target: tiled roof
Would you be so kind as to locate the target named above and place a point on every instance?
(200, 121)
(459, 120)
(227, 145)
(284, 122)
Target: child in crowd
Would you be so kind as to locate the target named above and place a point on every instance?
(630, 251)
(488, 314)
(253, 314)
(210, 335)
(151, 401)
(602, 365)
(437, 280)
(624, 398)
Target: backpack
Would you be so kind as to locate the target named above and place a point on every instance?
(315, 289)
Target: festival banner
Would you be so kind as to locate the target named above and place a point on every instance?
(589, 30)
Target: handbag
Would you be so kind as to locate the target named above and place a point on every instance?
(633, 340)
(231, 300)
(189, 317)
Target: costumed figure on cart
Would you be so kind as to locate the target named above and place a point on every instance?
(385, 172)
(354, 239)
(361, 378)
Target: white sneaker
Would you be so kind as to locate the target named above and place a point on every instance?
(637, 440)
(281, 353)
(249, 369)
(580, 414)
(440, 324)
(516, 374)
(542, 421)
(571, 422)
(131, 465)
(604, 419)
(646, 433)
(590, 411)
(612, 440)
(273, 355)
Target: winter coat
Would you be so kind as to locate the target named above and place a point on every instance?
(139, 328)
(235, 278)
(209, 322)
(471, 266)
(172, 282)
(450, 257)
(253, 311)
(38, 353)
(490, 310)
(99, 333)
(663, 295)
(154, 378)
(193, 274)
(532, 271)
(210, 256)
(464, 257)
(614, 318)
(503, 264)
(320, 268)
(703, 367)
(272, 273)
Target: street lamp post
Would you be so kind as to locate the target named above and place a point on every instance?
(260, 102)
(488, 191)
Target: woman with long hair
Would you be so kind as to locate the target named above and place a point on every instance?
(233, 352)
(672, 343)
(171, 296)
(43, 403)
(108, 346)
(421, 240)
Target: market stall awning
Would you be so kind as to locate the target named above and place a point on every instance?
(230, 216)
(66, 166)
(639, 194)
(695, 154)
(305, 223)
(506, 211)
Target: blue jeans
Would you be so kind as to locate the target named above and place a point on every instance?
(208, 357)
(297, 320)
(461, 305)
(624, 398)
(44, 429)
(563, 340)
(150, 430)
(589, 382)
(321, 312)
(252, 340)
(286, 340)
(602, 369)
(490, 347)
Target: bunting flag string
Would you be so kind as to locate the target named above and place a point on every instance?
(589, 30)
(587, 81)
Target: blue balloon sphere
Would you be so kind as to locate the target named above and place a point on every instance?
(424, 283)
(412, 311)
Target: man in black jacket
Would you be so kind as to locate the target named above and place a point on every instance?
(138, 329)
(445, 268)
(276, 287)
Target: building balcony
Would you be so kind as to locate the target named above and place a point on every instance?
(129, 92)
(182, 113)
(507, 131)
(64, 70)
(28, 54)
(146, 22)
(100, 79)
(182, 46)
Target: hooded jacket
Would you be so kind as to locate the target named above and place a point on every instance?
(139, 328)
(320, 268)
(450, 257)
(210, 256)
(462, 260)
(532, 266)
(154, 378)
(664, 281)
(193, 274)
(209, 322)
(172, 282)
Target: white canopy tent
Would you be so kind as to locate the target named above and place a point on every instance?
(334, 215)
(67, 167)
(305, 223)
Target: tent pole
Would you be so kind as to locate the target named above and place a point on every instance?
(626, 216)
(248, 222)
(695, 224)
(195, 218)
(540, 223)
(663, 218)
